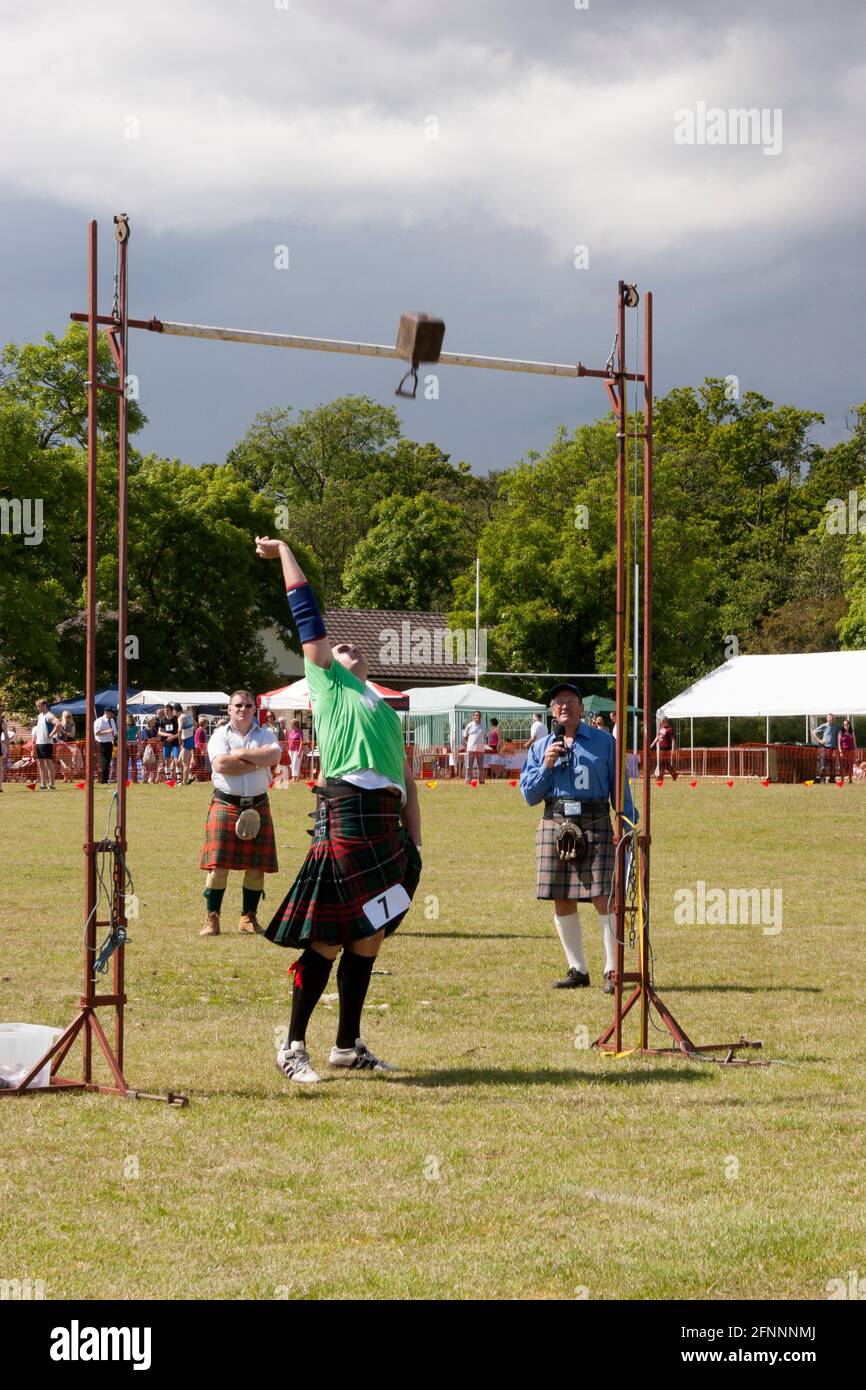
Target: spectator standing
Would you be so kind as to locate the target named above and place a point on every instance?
(68, 752)
(202, 762)
(132, 749)
(170, 742)
(151, 756)
(4, 746)
(105, 733)
(847, 751)
(828, 736)
(475, 739)
(160, 745)
(43, 742)
(538, 730)
(186, 739)
(296, 749)
(493, 741)
(666, 742)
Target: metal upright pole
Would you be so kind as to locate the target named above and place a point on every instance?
(636, 683)
(621, 638)
(644, 860)
(90, 692)
(477, 610)
(119, 912)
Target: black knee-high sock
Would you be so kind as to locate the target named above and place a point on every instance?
(353, 981)
(311, 975)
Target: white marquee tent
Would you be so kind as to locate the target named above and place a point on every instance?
(178, 697)
(806, 683)
(438, 714)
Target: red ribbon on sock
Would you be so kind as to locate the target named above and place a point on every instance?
(297, 969)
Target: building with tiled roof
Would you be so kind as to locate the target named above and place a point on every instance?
(404, 649)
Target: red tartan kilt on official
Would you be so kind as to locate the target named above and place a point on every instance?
(223, 850)
(575, 880)
(359, 850)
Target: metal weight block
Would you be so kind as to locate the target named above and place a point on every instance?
(419, 338)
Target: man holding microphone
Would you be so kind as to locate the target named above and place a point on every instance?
(572, 772)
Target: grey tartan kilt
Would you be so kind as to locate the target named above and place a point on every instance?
(577, 880)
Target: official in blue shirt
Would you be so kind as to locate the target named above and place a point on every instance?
(572, 772)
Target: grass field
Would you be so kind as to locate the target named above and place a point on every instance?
(504, 1161)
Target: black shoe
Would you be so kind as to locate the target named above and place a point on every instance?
(608, 983)
(573, 980)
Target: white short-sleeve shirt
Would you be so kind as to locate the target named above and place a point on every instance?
(538, 730)
(475, 736)
(224, 740)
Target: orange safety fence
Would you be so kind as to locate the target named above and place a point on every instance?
(778, 762)
(69, 762)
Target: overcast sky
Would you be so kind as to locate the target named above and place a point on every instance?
(228, 128)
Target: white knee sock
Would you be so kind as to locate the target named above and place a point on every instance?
(608, 936)
(570, 933)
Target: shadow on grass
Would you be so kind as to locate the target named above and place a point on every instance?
(480, 935)
(739, 989)
(549, 1076)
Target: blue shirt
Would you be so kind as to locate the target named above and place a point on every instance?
(588, 772)
(829, 734)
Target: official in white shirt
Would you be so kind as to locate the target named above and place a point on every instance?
(105, 733)
(475, 738)
(239, 833)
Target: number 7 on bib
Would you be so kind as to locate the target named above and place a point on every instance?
(390, 904)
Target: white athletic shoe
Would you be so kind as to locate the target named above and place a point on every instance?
(358, 1058)
(294, 1062)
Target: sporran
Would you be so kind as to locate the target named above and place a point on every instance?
(248, 824)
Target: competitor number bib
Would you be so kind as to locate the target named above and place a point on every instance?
(390, 904)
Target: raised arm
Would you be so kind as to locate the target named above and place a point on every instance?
(302, 601)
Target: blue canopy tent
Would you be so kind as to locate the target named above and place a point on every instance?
(104, 699)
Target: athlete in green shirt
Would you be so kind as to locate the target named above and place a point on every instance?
(363, 866)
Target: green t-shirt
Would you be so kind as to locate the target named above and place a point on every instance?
(354, 730)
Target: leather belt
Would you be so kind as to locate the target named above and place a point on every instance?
(335, 789)
(242, 801)
(554, 806)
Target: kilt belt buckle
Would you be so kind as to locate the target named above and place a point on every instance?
(249, 822)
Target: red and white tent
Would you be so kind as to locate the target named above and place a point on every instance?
(297, 696)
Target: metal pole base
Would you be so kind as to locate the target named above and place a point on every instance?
(86, 1023)
(684, 1045)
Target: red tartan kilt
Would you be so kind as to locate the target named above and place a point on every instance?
(359, 850)
(223, 850)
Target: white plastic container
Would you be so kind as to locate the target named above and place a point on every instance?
(22, 1044)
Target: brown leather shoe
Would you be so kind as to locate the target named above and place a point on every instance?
(249, 925)
(211, 924)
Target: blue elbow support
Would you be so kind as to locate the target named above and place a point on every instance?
(306, 612)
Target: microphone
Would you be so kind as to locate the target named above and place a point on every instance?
(559, 734)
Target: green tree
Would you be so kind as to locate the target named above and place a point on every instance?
(326, 470)
(37, 580)
(50, 379)
(410, 557)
